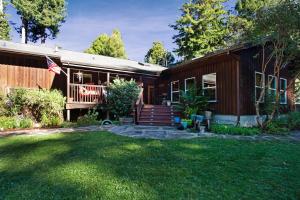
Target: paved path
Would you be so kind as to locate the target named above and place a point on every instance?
(32, 132)
(163, 132)
(153, 132)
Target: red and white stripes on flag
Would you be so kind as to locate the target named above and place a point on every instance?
(52, 66)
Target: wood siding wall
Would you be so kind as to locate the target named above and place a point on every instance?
(25, 71)
(224, 66)
(249, 63)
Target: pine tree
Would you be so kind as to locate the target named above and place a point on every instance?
(105, 45)
(201, 28)
(41, 19)
(157, 54)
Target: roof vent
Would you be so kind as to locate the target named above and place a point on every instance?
(144, 64)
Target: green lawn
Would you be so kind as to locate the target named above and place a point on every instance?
(105, 166)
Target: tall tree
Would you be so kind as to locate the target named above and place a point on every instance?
(276, 29)
(242, 18)
(201, 28)
(4, 26)
(157, 54)
(41, 19)
(106, 45)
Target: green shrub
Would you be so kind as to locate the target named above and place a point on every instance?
(8, 123)
(121, 95)
(234, 130)
(44, 106)
(276, 127)
(294, 120)
(88, 119)
(26, 123)
(51, 121)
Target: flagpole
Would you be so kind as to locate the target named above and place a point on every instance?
(64, 72)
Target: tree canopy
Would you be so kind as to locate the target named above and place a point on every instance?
(41, 19)
(106, 45)
(157, 54)
(241, 21)
(202, 28)
(4, 25)
(276, 29)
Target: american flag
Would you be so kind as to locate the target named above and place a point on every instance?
(52, 66)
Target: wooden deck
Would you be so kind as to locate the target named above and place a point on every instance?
(85, 95)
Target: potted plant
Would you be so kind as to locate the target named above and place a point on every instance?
(191, 103)
(121, 96)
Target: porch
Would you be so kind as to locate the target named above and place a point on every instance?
(86, 88)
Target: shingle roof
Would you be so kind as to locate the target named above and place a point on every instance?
(84, 59)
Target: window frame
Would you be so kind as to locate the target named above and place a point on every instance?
(208, 88)
(269, 86)
(185, 85)
(260, 87)
(177, 91)
(283, 90)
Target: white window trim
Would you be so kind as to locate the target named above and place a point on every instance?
(211, 101)
(172, 92)
(269, 85)
(285, 91)
(263, 86)
(185, 86)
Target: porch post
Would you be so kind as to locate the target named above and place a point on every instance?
(68, 115)
(108, 81)
(68, 94)
(108, 78)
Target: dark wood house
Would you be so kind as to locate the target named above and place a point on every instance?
(25, 66)
(229, 78)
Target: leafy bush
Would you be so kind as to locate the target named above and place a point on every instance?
(191, 102)
(26, 123)
(51, 121)
(88, 119)
(121, 95)
(8, 123)
(294, 120)
(234, 130)
(43, 105)
(276, 127)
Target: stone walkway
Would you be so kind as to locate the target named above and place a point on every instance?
(163, 132)
(152, 132)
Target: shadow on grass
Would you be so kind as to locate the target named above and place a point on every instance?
(102, 165)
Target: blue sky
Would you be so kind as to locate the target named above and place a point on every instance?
(140, 21)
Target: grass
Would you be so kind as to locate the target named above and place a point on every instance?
(105, 166)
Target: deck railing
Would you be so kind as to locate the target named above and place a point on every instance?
(84, 93)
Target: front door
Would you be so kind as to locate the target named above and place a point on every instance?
(151, 96)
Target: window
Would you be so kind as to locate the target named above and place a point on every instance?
(297, 91)
(175, 91)
(272, 82)
(259, 85)
(283, 91)
(209, 86)
(82, 78)
(189, 83)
